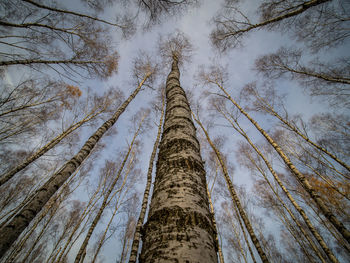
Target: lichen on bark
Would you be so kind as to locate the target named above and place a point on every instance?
(179, 226)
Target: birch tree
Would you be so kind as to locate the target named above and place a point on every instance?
(23, 218)
(179, 223)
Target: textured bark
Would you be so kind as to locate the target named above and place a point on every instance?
(301, 178)
(105, 201)
(234, 197)
(14, 228)
(137, 234)
(7, 176)
(179, 226)
(301, 211)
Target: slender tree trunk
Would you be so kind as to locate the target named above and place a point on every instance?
(234, 197)
(48, 62)
(272, 111)
(93, 200)
(245, 236)
(51, 205)
(137, 234)
(7, 176)
(285, 190)
(301, 178)
(179, 225)
(14, 228)
(221, 255)
(100, 244)
(106, 197)
(235, 231)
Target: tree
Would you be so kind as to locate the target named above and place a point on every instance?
(15, 227)
(136, 239)
(67, 42)
(157, 10)
(100, 106)
(179, 223)
(260, 102)
(319, 23)
(107, 195)
(234, 196)
(328, 80)
(216, 77)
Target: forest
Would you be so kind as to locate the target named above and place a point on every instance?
(174, 131)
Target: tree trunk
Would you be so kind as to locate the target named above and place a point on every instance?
(137, 234)
(234, 197)
(221, 255)
(269, 109)
(301, 178)
(105, 201)
(179, 226)
(301, 211)
(7, 176)
(14, 228)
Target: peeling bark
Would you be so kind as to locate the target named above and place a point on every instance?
(179, 226)
(14, 228)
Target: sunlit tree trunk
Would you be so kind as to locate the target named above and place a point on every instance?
(179, 226)
(301, 211)
(14, 228)
(137, 234)
(269, 109)
(301, 178)
(235, 198)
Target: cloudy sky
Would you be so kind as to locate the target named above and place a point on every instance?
(196, 24)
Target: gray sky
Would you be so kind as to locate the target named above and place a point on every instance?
(196, 25)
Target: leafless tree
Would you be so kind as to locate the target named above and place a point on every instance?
(319, 23)
(23, 218)
(330, 80)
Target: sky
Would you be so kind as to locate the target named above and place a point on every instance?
(196, 24)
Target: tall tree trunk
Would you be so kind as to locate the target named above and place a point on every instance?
(7, 176)
(105, 201)
(137, 234)
(10, 232)
(301, 178)
(179, 223)
(234, 197)
(301, 211)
